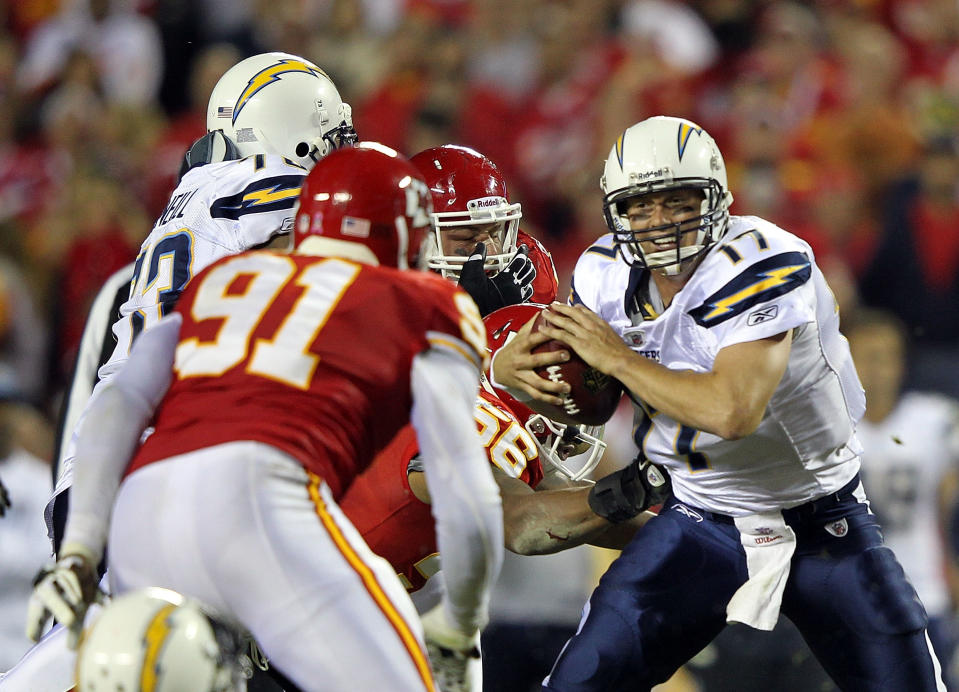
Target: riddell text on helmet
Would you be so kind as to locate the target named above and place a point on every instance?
(556, 375)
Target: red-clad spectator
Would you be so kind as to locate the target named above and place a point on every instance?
(836, 218)
(105, 226)
(388, 112)
(556, 131)
(915, 271)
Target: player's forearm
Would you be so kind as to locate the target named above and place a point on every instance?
(703, 401)
(465, 499)
(617, 536)
(105, 445)
(110, 432)
(549, 521)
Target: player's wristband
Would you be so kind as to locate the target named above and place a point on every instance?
(622, 495)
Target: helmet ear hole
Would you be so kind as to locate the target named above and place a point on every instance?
(302, 149)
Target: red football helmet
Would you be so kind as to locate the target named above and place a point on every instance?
(366, 202)
(574, 451)
(468, 190)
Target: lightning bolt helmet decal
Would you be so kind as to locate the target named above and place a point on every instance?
(686, 129)
(270, 74)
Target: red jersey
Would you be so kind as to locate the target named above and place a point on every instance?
(310, 355)
(396, 525)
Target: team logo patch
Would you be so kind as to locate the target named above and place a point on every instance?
(762, 315)
(838, 528)
(635, 339)
(683, 509)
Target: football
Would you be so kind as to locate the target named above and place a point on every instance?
(593, 395)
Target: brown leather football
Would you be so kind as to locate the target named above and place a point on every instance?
(593, 395)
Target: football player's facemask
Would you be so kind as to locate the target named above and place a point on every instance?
(470, 205)
(366, 203)
(573, 451)
(661, 155)
(277, 103)
(197, 651)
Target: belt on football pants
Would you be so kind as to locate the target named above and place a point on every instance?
(799, 513)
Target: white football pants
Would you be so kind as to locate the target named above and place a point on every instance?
(245, 529)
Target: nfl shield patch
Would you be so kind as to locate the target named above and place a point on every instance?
(838, 528)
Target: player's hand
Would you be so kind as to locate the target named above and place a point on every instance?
(5, 503)
(450, 651)
(514, 284)
(514, 366)
(586, 333)
(64, 592)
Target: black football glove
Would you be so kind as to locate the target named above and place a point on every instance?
(624, 494)
(511, 286)
(4, 499)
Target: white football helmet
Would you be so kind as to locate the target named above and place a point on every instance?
(572, 451)
(155, 639)
(277, 103)
(666, 153)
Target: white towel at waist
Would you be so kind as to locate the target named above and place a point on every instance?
(769, 544)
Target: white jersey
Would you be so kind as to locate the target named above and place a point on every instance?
(218, 209)
(904, 459)
(757, 282)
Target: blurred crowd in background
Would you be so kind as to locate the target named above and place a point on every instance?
(838, 120)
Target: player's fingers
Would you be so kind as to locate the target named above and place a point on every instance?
(37, 616)
(575, 313)
(540, 395)
(543, 385)
(526, 328)
(527, 339)
(562, 330)
(534, 339)
(52, 597)
(69, 584)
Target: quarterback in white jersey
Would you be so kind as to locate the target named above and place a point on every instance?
(757, 282)
(726, 337)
